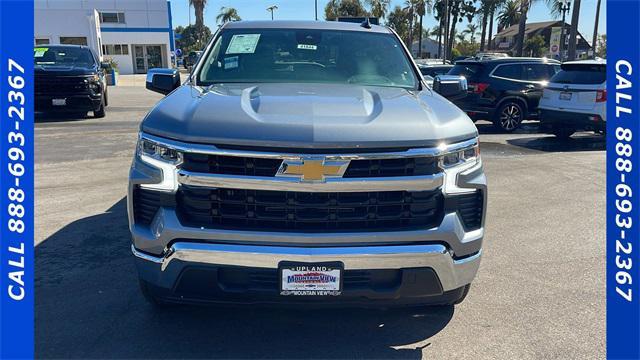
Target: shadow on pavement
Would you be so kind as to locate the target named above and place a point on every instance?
(487, 128)
(60, 117)
(578, 142)
(88, 306)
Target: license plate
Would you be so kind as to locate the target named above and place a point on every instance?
(303, 279)
(565, 96)
(59, 102)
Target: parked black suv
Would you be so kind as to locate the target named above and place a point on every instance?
(69, 78)
(504, 90)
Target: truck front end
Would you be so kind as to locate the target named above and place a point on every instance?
(310, 193)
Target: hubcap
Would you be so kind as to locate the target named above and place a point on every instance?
(510, 117)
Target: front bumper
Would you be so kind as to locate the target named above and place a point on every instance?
(198, 272)
(86, 102)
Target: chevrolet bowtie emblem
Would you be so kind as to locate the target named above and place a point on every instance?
(312, 169)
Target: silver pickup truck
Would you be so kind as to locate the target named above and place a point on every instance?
(306, 162)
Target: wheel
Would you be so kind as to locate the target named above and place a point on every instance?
(100, 113)
(509, 116)
(562, 132)
(106, 97)
(149, 294)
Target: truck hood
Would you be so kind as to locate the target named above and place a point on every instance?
(63, 70)
(308, 116)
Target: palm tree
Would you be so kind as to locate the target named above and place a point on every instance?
(485, 10)
(227, 14)
(410, 11)
(379, 7)
(421, 9)
(524, 9)
(573, 30)
(438, 8)
(434, 32)
(555, 8)
(595, 30)
(198, 7)
(495, 4)
(509, 14)
(471, 29)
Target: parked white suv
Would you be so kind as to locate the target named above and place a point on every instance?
(575, 99)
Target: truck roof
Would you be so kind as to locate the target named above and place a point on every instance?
(298, 24)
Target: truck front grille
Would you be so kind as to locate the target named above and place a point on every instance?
(248, 166)
(60, 85)
(303, 211)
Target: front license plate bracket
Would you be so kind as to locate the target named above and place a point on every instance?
(310, 279)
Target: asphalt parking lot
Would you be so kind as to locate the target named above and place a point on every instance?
(540, 292)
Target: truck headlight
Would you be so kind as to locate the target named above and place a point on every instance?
(162, 157)
(456, 162)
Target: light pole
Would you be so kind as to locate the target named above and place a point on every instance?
(316, 4)
(565, 5)
(271, 9)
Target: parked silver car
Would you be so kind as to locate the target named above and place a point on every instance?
(306, 162)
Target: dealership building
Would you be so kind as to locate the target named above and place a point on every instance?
(136, 34)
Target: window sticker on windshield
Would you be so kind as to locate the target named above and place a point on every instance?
(230, 62)
(39, 52)
(243, 44)
(307, 47)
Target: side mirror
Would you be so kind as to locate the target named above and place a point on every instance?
(105, 65)
(163, 81)
(453, 87)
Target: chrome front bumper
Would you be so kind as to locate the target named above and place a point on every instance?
(452, 273)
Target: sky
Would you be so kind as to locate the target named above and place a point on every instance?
(304, 10)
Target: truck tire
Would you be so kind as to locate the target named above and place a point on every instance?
(100, 113)
(509, 116)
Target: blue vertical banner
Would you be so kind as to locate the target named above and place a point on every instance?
(623, 180)
(16, 179)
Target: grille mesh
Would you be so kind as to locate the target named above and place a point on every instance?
(302, 211)
(57, 85)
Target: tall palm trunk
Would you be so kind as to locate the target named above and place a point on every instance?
(573, 32)
(595, 30)
(199, 10)
(485, 15)
(411, 32)
(524, 9)
(440, 37)
(420, 39)
(452, 32)
(490, 37)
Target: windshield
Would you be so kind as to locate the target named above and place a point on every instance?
(63, 56)
(585, 74)
(307, 56)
